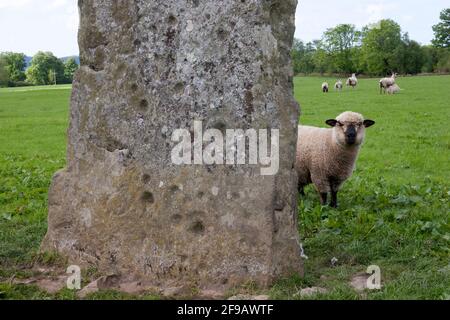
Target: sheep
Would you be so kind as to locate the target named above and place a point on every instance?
(338, 85)
(326, 157)
(352, 81)
(325, 87)
(393, 89)
(387, 82)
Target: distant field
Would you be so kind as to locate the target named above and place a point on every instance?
(393, 213)
(36, 88)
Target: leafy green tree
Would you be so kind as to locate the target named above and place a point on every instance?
(4, 75)
(379, 47)
(431, 58)
(69, 69)
(321, 58)
(341, 43)
(302, 57)
(443, 65)
(45, 69)
(442, 30)
(409, 56)
(15, 65)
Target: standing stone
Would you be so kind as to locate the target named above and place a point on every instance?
(147, 69)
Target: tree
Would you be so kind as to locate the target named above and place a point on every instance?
(431, 58)
(379, 46)
(341, 42)
(69, 69)
(442, 30)
(15, 65)
(443, 64)
(302, 57)
(409, 56)
(321, 58)
(44, 68)
(4, 75)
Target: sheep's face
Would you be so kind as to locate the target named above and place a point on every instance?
(350, 128)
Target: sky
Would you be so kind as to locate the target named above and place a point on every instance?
(30, 26)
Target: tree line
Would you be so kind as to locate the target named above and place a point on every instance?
(377, 49)
(45, 69)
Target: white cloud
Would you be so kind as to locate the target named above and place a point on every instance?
(313, 17)
(377, 11)
(52, 24)
(7, 4)
(59, 3)
(72, 18)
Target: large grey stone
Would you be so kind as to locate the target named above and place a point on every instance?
(148, 68)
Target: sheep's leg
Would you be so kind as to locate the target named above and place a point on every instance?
(334, 202)
(323, 198)
(334, 186)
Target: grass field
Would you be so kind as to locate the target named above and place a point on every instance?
(394, 212)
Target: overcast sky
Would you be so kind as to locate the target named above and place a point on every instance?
(29, 26)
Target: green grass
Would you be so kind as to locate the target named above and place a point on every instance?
(394, 211)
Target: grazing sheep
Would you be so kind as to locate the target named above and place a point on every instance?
(338, 85)
(325, 87)
(326, 157)
(352, 81)
(387, 82)
(393, 89)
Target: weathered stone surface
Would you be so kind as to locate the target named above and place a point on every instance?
(148, 68)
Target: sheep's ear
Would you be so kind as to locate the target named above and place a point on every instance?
(368, 123)
(331, 122)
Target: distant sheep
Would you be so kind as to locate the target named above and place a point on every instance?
(338, 85)
(352, 81)
(325, 87)
(393, 89)
(385, 83)
(326, 157)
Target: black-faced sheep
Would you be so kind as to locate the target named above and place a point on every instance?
(338, 85)
(325, 87)
(326, 157)
(352, 81)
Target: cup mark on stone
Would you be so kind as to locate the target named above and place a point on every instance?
(197, 227)
(177, 218)
(174, 189)
(143, 104)
(222, 34)
(179, 88)
(146, 178)
(148, 197)
(172, 20)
